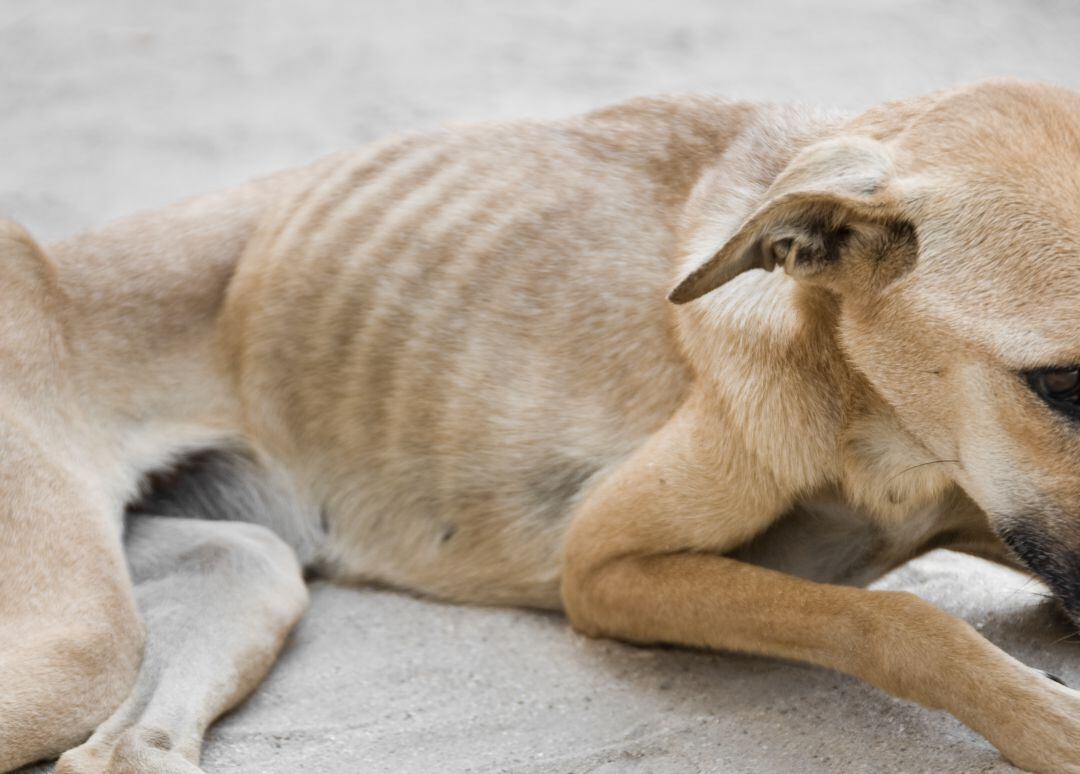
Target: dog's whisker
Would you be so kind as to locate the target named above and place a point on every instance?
(1070, 636)
(1022, 587)
(919, 465)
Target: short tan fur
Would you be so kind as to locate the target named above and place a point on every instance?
(449, 363)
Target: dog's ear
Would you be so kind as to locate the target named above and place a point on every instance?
(833, 199)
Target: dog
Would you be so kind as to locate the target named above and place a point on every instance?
(692, 371)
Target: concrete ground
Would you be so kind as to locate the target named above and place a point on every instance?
(111, 107)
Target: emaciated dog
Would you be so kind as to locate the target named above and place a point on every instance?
(450, 363)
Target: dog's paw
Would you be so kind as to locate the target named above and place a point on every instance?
(138, 750)
(1044, 736)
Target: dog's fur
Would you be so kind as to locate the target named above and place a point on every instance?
(448, 363)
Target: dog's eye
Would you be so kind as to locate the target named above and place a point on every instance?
(1059, 387)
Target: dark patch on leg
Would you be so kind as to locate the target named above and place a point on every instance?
(157, 738)
(448, 532)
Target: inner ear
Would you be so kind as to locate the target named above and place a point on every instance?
(835, 198)
(807, 243)
(804, 234)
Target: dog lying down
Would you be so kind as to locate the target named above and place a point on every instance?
(692, 371)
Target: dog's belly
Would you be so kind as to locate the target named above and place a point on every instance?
(448, 339)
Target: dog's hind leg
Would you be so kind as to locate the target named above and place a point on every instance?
(70, 638)
(218, 599)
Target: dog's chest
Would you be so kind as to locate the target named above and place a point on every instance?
(828, 540)
(889, 504)
(887, 472)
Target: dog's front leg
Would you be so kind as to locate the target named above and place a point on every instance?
(218, 599)
(644, 562)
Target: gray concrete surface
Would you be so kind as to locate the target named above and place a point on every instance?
(111, 107)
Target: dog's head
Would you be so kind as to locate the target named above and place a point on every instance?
(949, 228)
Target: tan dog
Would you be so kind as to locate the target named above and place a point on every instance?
(447, 363)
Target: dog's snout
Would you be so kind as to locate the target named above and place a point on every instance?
(1053, 559)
